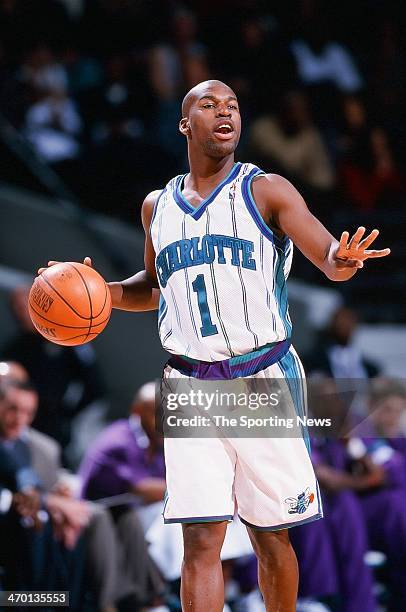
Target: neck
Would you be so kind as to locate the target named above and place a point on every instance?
(206, 172)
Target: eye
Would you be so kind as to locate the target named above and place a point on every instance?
(208, 105)
(233, 106)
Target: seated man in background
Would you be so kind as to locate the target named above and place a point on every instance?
(39, 530)
(72, 400)
(291, 141)
(49, 540)
(387, 407)
(331, 552)
(127, 458)
(383, 451)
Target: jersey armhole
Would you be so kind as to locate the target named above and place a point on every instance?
(248, 197)
(255, 214)
(154, 211)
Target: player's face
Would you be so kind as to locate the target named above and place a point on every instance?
(215, 122)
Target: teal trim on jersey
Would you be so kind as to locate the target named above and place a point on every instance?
(196, 212)
(282, 299)
(295, 382)
(162, 310)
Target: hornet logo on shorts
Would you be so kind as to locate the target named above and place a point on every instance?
(299, 504)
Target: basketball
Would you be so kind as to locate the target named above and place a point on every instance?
(69, 303)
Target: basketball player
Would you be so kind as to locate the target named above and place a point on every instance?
(218, 249)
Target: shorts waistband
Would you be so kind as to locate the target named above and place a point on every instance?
(235, 367)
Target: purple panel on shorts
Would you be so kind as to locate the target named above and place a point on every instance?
(236, 367)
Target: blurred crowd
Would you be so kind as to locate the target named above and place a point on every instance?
(95, 87)
(81, 498)
(98, 85)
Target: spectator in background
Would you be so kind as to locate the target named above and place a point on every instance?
(122, 167)
(331, 554)
(325, 67)
(32, 519)
(72, 400)
(41, 71)
(175, 66)
(252, 66)
(127, 457)
(388, 413)
(386, 67)
(367, 166)
(320, 59)
(290, 141)
(335, 354)
(383, 504)
(31, 463)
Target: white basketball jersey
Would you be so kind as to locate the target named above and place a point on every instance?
(222, 271)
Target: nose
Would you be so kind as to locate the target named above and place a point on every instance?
(223, 111)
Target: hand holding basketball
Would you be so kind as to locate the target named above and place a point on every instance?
(87, 262)
(69, 303)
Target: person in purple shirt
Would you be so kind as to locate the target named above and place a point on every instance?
(331, 552)
(127, 458)
(385, 506)
(388, 413)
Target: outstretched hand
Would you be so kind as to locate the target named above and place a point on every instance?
(87, 261)
(352, 254)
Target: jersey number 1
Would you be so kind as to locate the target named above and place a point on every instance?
(199, 286)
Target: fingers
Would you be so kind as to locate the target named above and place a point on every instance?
(344, 240)
(49, 264)
(381, 253)
(356, 238)
(364, 244)
(87, 261)
(354, 263)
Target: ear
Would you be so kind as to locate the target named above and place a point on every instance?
(184, 126)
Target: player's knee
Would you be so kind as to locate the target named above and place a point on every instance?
(202, 542)
(271, 548)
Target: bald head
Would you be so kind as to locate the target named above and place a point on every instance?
(145, 394)
(200, 90)
(11, 370)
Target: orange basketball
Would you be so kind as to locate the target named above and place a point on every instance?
(69, 303)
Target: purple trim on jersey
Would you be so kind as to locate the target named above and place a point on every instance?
(196, 212)
(251, 205)
(235, 367)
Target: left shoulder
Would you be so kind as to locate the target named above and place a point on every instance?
(273, 189)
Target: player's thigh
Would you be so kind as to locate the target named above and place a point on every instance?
(199, 478)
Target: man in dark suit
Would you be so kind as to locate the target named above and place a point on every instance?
(49, 539)
(39, 530)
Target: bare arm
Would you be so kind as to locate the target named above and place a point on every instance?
(335, 480)
(278, 200)
(141, 291)
(150, 489)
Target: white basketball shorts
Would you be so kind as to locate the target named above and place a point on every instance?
(268, 480)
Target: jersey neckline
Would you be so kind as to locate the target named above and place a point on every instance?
(196, 212)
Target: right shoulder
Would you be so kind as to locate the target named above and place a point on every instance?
(148, 206)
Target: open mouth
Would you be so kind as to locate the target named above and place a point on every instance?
(224, 131)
